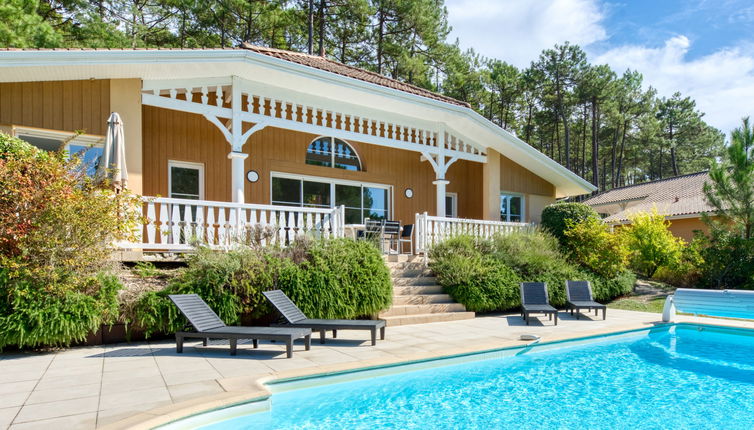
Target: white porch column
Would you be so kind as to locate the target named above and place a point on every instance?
(440, 186)
(237, 175)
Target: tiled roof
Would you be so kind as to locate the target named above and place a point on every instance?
(680, 195)
(332, 66)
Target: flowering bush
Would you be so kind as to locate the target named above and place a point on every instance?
(57, 228)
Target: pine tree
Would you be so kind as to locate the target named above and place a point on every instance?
(731, 188)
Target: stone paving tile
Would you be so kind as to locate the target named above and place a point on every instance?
(78, 421)
(17, 398)
(44, 411)
(48, 383)
(7, 415)
(134, 397)
(58, 394)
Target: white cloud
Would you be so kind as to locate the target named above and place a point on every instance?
(518, 30)
(722, 83)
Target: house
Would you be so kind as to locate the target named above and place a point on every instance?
(306, 139)
(681, 199)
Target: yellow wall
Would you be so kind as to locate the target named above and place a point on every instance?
(685, 227)
(537, 192)
(57, 105)
(180, 136)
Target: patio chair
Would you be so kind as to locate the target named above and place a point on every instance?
(534, 300)
(579, 296)
(296, 318)
(391, 232)
(407, 236)
(207, 325)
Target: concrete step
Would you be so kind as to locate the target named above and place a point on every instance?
(402, 258)
(416, 289)
(411, 265)
(418, 280)
(433, 308)
(411, 273)
(421, 299)
(393, 321)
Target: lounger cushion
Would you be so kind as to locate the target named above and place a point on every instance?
(586, 304)
(539, 308)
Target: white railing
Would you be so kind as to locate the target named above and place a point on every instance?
(181, 224)
(431, 230)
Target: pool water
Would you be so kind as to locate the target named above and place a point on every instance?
(682, 376)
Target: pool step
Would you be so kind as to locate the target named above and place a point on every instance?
(417, 299)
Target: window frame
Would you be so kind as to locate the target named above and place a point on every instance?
(454, 205)
(508, 195)
(333, 182)
(332, 153)
(185, 165)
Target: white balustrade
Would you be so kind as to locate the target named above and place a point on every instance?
(431, 230)
(182, 224)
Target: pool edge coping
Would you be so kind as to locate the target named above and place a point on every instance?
(259, 391)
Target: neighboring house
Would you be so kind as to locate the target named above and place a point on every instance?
(681, 199)
(264, 126)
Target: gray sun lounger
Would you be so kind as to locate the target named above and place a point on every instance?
(579, 294)
(208, 325)
(534, 301)
(296, 318)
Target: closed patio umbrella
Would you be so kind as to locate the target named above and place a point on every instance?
(113, 161)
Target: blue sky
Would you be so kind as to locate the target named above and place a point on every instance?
(702, 48)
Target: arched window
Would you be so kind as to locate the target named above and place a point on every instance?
(332, 152)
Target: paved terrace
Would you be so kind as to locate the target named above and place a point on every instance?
(143, 384)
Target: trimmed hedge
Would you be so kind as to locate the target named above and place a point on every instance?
(335, 278)
(484, 275)
(556, 217)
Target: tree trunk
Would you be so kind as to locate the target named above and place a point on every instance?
(567, 136)
(311, 27)
(620, 155)
(595, 145)
(380, 38)
(321, 14)
(613, 150)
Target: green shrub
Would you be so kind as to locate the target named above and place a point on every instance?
(650, 243)
(591, 244)
(34, 317)
(336, 278)
(484, 275)
(727, 261)
(555, 217)
(688, 270)
(473, 277)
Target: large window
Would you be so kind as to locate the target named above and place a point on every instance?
(332, 152)
(511, 207)
(186, 180)
(360, 200)
(88, 147)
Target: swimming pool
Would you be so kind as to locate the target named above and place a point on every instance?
(679, 376)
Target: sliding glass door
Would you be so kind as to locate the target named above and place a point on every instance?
(360, 200)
